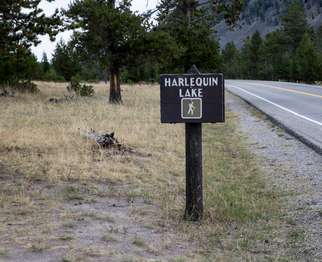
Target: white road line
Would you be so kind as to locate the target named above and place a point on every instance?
(279, 106)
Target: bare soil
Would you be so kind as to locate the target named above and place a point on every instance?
(81, 222)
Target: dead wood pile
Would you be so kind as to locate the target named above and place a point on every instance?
(104, 140)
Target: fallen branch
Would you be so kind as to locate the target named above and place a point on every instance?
(104, 140)
(108, 141)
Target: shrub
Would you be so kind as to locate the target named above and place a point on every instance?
(80, 89)
(86, 90)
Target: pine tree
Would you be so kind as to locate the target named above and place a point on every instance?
(231, 61)
(318, 38)
(279, 47)
(158, 52)
(192, 27)
(275, 57)
(189, 10)
(65, 60)
(251, 56)
(294, 25)
(21, 22)
(306, 61)
(255, 55)
(110, 33)
(45, 64)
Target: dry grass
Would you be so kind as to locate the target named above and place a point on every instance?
(42, 141)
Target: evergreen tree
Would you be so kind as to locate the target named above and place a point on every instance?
(306, 61)
(199, 48)
(189, 10)
(255, 55)
(191, 26)
(110, 33)
(25, 65)
(45, 64)
(318, 38)
(275, 57)
(279, 47)
(159, 52)
(251, 57)
(231, 61)
(20, 25)
(294, 25)
(65, 61)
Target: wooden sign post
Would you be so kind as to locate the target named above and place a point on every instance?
(193, 99)
(194, 193)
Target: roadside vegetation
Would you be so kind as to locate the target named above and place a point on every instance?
(55, 184)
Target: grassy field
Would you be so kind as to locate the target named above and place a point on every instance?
(55, 185)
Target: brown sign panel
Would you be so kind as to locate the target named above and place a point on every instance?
(192, 98)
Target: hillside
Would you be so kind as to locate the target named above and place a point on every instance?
(264, 16)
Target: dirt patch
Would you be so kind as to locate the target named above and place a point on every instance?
(81, 222)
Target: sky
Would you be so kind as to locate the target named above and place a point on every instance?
(49, 8)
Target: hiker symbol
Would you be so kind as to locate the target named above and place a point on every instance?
(191, 108)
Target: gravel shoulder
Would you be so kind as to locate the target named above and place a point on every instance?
(292, 168)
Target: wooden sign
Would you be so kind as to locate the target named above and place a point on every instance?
(192, 98)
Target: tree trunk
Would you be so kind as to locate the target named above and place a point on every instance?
(115, 87)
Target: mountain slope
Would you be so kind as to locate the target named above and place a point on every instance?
(265, 16)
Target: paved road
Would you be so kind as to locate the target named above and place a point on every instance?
(296, 107)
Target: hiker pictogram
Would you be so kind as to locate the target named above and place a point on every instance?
(191, 108)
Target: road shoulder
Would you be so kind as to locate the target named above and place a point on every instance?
(292, 168)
